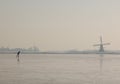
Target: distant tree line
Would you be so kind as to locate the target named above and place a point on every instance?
(31, 49)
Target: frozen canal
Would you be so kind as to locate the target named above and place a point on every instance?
(59, 69)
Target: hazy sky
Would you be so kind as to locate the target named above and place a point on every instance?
(59, 24)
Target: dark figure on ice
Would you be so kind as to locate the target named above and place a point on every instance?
(17, 56)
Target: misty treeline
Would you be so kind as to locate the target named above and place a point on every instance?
(34, 48)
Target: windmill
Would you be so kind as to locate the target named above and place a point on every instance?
(101, 49)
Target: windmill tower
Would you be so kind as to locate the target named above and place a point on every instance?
(101, 49)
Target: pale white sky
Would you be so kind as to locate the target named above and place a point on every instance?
(59, 24)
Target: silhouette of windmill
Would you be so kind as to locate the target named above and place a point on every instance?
(101, 49)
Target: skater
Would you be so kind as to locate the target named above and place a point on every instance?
(17, 56)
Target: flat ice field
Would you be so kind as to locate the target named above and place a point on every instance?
(59, 69)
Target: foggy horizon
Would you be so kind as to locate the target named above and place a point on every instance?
(59, 24)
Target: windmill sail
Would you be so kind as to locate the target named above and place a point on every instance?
(101, 49)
